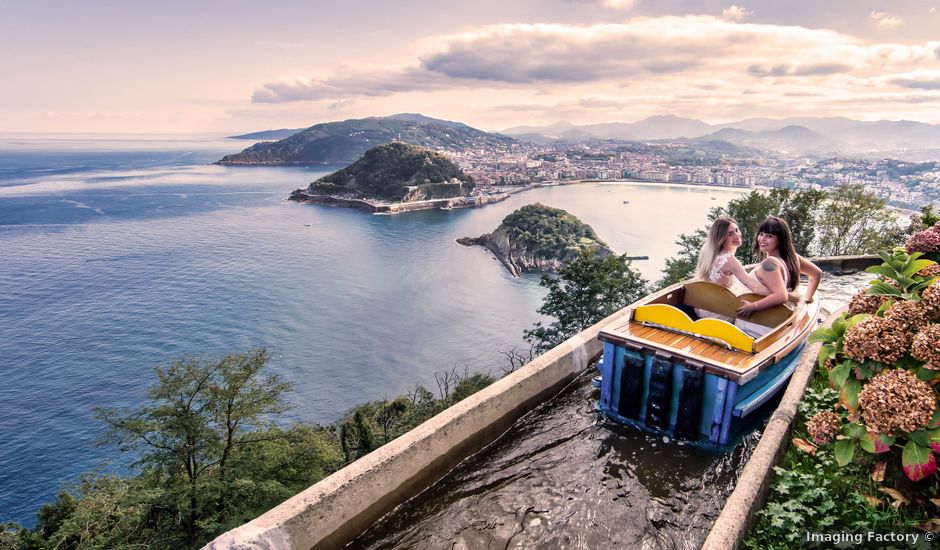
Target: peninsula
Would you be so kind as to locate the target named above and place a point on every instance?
(394, 177)
(539, 238)
(342, 142)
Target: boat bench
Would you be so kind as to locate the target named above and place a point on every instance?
(720, 300)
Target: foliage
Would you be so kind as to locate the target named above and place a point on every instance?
(547, 232)
(682, 266)
(209, 456)
(901, 270)
(853, 358)
(854, 221)
(811, 494)
(585, 291)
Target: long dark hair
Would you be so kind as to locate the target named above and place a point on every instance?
(781, 229)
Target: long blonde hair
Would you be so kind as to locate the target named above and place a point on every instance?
(714, 244)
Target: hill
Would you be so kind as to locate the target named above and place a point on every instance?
(395, 172)
(344, 142)
(539, 238)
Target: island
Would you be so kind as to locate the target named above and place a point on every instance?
(539, 238)
(396, 177)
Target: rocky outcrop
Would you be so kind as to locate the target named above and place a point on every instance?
(539, 238)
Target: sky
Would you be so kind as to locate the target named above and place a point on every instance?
(217, 67)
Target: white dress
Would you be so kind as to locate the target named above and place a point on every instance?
(727, 280)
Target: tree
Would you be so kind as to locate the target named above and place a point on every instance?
(584, 292)
(202, 413)
(800, 209)
(854, 221)
(682, 266)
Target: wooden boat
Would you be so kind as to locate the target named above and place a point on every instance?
(665, 369)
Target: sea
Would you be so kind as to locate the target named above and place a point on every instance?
(121, 253)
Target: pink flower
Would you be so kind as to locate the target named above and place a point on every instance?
(923, 241)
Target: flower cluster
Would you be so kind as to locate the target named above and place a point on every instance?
(895, 400)
(877, 338)
(912, 315)
(932, 270)
(866, 303)
(925, 347)
(930, 298)
(824, 427)
(924, 241)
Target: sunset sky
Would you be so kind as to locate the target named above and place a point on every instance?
(237, 66)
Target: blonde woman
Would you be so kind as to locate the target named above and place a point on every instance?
(717, 263)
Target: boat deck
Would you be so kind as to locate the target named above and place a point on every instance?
(739, 366)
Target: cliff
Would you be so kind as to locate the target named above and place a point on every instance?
(539, 238)
(395, 172)
(345, 141)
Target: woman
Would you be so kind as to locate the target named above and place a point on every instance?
(779, 271)
(717, 263)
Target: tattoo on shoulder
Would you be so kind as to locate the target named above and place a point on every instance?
(769, 265)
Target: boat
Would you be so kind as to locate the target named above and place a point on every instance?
(666, 370)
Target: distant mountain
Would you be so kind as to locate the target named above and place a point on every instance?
(656, 127)
(821, 135)
(395, 172)
(344, 142)
(268, 135)
(790, 139)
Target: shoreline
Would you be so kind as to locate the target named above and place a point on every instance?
(456, 203)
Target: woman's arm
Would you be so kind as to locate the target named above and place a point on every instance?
(812, 271)
(734, 267)
(769, 273)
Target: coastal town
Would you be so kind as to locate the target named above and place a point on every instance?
(521, 164)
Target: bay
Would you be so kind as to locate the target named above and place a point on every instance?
(118, 254)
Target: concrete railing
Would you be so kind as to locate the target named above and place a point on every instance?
(340, 507)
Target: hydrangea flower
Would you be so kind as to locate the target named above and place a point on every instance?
(923, 241)
(930, 298)
(912, 315)
(926, 348)
(877, 338)
(866, 303)
(824, 427)
(895, 400)
(932, 270)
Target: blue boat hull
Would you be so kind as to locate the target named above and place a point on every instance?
(665, 395)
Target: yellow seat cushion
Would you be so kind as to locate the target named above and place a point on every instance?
(672, 317)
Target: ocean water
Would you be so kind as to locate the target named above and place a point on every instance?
(120, 254)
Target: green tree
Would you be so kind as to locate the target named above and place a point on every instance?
(800, 209)
(854, 221)
(584, 292)
(682, 266)
(202, 413)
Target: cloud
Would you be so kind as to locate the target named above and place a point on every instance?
(615, 4)
(369, 84)
(810, 69)
(918, 80)
(884, 20)
(735, 13)
(688, 64)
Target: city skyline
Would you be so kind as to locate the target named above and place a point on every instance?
(213, 67)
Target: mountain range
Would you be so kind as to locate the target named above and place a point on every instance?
(802, 135)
